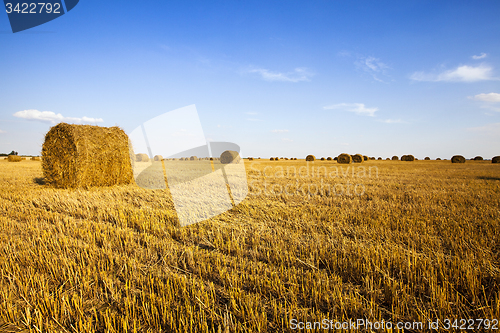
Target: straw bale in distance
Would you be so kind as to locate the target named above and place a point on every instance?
(35, 158)
(158, 158)
(250, 158)
(438, 159)
(387, 159)
(458, 159)
(380, 158)
(84, 156)
(310, 158)
(408, 158)
(395, 158)
(358, 158)
(495, 159)
(322, 158)
(14, 158)
(193, 158)
(478, 158)
(365, 158)
(271, 159)
(427, 158)
(335, 158)
(141, 158)
(344, 159)
(229, 156)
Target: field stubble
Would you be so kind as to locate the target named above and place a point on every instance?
(421, 242)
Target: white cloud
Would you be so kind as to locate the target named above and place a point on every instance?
(51, 117)
(394, 121)
(460, 74)
(298, 74)
(481, 56)
(280, 131)
(373, 66)
(358, 108)
(491, 97)
(2, 132)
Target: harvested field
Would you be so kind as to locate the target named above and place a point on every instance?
(119, 255)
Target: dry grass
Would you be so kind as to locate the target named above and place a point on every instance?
(422, 243)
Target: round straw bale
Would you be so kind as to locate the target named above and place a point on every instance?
(408, 158)
(380, 158)
(365, 158)
(322, 158)
(310, 158)
(458, 159)
(286, 158)
(395, 158)
(158, 158)
(335, 158)
(35, 158)
(358, 158)
(438, 159)
(84, 156)
(14, 158)
(344, 158)
(229, 156)
(328, 158)
(193, 158)
(141, 158)
(372, 158)
(250, 158)
(495, 159)
(427, 158)
(478, 158)
(387, 159)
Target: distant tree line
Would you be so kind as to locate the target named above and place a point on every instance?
(11, 153)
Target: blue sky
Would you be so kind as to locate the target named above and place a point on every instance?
(279, 78)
